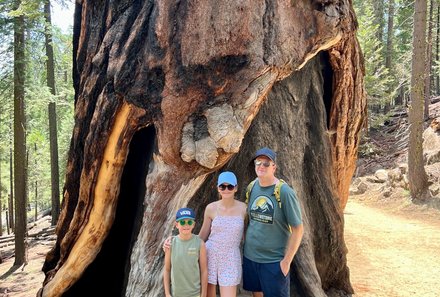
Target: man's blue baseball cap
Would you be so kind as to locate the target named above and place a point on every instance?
(185, 213)
(266, 152)
(227, 177)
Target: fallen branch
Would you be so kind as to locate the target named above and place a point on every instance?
(10, 239)
(43, 233)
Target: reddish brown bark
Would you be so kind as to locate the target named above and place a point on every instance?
(177, 86)
(348, 111)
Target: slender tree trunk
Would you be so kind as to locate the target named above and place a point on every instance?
(389, 48)
(36, 201)
(7, 222)
(54, 168)
(378, 10)
(437, 49)
(427, 99)
(54, 163)
(26, 177)
(11, 178)
(390, 34)
(418, 180)
(2, 207)
(36, 186)
(19, 140)
(399, 98)
(1, 204)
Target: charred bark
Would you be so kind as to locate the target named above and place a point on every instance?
(165, 94)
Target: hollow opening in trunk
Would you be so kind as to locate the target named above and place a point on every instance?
(108, 274)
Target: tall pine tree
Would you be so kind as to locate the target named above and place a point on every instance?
(53, 138)
(418, 180)
(19, 138)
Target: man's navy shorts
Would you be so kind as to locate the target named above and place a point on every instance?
(265, 277)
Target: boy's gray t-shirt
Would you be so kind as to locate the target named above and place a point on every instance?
(185, 269)
(268, 230)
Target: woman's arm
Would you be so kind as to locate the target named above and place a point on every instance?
(167, 272)
(243, 209)
(245, 218)
(206, 226)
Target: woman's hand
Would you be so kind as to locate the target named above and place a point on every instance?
(167, 243)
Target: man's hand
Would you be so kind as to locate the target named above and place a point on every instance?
(292, 247)
(167, 243)
(285, 266)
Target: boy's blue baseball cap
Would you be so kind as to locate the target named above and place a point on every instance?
(185, 213)
(227, 177)
(266, 152)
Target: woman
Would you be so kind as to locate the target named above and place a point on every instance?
(222, 230)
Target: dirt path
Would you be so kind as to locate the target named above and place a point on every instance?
(392, 255)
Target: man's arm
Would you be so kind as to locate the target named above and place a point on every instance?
(203, 262)
(292, 247)
(167, 272)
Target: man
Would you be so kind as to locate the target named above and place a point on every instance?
(274, 232)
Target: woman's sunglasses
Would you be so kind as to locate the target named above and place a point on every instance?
(186, 222)
(264, 163)
(224, 187)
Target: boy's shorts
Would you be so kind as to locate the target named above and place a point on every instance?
(265, 277)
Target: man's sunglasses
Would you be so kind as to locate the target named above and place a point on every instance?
(264, 163)
(224, 187)
(184, 222)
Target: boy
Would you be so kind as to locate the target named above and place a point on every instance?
(185, 262)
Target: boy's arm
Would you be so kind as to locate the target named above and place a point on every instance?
(203, 262)
(167, 272)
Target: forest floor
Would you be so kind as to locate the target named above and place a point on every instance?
(392, 251)
(26, 280)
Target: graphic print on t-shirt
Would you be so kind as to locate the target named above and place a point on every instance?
(192, 251)
(262, 210)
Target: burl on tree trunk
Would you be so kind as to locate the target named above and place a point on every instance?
(167, 94)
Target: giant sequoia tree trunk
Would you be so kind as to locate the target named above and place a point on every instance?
(167, 94)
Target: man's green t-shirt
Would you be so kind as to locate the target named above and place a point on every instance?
(269, 225)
